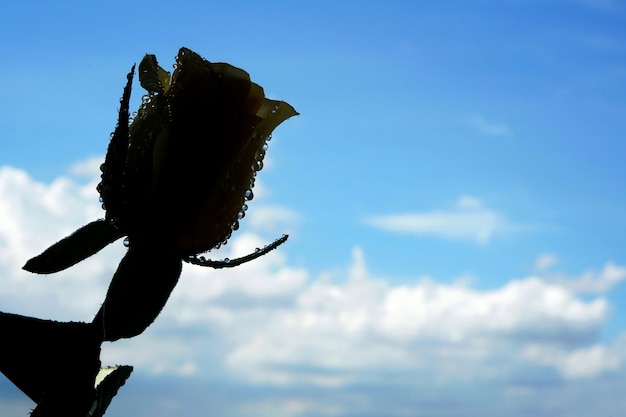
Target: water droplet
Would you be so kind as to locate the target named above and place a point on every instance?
(268, 138)
(202, 259)
(103, 207)
(257, 250)
(241, 215)
(265, 146)
(244, 207)
(126, 242)
(101, 200)
(259, 165)
(249, 195)
(235, 226)
(226, 260)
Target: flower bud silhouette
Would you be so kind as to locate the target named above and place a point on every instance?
(175, 182)
(195, 146)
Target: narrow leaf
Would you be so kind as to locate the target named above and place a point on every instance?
(78, 246)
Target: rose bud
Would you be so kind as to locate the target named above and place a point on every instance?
(175, 182)
(194, 150)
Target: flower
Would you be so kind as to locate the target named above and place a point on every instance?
(181, 173)
(175, 182)
(195, 147)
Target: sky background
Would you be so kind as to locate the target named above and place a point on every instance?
(453, 190)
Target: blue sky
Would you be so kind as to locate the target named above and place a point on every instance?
(453, 189)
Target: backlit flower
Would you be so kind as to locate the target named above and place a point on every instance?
(175, 182)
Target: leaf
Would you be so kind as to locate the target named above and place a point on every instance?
(108, 382)
(54, 363)
(78, 246)
(152, 77)
(139, 289)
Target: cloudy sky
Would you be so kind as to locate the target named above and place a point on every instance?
(453, 190)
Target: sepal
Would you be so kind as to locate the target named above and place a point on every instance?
(78, 246)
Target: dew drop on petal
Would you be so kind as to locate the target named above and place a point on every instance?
(126, 242)
(249, 195)
(226, 260)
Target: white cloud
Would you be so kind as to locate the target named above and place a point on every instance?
(468, 220)
(89, 168)
(274, 219)
(364, 324)
(545, 261)
(605, 5)
(345, 332)
(579, 363)
(591, 282)
(488, 128)
(35, 215)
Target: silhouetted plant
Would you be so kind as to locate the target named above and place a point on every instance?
(175, 183)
